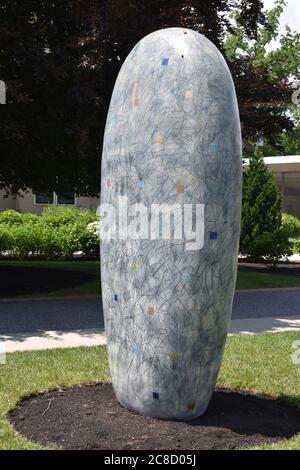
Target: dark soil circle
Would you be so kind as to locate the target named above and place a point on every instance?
(89, 417)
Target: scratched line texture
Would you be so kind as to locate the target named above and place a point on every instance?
(172, 136)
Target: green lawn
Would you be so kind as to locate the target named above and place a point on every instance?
(82, 278)
(259, 362)
(261, 280)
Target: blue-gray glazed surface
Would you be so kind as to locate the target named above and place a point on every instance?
(172, 136)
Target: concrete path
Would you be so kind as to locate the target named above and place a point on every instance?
(50, 323)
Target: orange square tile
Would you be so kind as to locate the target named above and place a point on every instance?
(151, 310)
(180, 189)
(188, 95)
(174, 355)
(136, 102)
(191, 406)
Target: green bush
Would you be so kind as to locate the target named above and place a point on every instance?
(57, 216)
(5, 238)
(28, 218)
(270, 246)
(57, 234)
(10, 217)
(291, 224)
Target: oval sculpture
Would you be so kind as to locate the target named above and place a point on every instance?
(172, 138)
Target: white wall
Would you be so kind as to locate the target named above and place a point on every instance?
(25, 203)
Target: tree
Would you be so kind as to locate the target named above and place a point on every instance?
(266, 74)
(60, 60)
(261, 203)
(286, 143)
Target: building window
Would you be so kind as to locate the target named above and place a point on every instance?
(44, 198)
(67, 198)
(56, 199)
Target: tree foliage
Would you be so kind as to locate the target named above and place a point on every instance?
(261, 203)
(60, 60)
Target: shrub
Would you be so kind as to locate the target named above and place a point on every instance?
(48, 242)
(90, 243)
(10, 217)
(270, 246)
(28, 218)
(57, 216)
(5, 239)
(291, 224)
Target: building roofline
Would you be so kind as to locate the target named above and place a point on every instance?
(284, 159)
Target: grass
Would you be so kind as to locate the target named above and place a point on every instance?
(258, 363)
(261, 280)
(81, 287)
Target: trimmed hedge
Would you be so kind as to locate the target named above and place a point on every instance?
(57, 234)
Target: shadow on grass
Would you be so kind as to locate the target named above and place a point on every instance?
(18, 281)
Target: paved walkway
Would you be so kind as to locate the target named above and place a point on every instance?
(50, 323)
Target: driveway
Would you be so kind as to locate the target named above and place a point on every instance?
(48, 323)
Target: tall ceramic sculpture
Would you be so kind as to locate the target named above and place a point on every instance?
(172, 138)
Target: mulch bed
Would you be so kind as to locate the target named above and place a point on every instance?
(89, 417)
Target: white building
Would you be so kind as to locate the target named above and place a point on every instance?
(35, 203)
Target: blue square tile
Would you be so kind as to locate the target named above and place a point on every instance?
(141, 184)
(213, 235)
(214, 148)
(116, 297)
(155, 395)
(165, 61)
(106, 248)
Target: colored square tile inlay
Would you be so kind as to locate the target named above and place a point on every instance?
(180, 189)
(174, 355)
(165, 61)
(155, 395)
(136, 102)
(158, 139)
(106, 248)
(213, 235)
(151, 310)
(116, 297)
(214, 148)
(188, 95)
(191, 406)
(141, 184)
